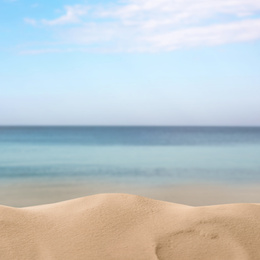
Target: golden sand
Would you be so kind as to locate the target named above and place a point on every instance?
(129, 227)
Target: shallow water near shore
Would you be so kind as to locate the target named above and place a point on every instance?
(154, 154)
(127, 159)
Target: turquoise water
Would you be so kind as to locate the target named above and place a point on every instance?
(156, 155)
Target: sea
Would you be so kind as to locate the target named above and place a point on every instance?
(136, 154)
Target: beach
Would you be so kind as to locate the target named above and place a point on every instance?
(75, 193)
(123, 226)
(25, 194)
(130, 130)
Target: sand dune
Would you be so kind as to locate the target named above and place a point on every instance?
(128, 227)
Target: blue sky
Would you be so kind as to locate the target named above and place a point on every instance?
(145, 62)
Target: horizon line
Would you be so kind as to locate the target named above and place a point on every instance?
(76, 125)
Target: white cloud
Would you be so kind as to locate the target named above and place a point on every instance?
(40, 51)
(160, 25)
(72, 15)
(181, 10)
(246, 30)
(52, 50)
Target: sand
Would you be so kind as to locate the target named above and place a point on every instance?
(129, 227)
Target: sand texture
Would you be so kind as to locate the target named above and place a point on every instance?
(129, 227)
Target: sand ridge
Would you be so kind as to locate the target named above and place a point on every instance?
(129, 227)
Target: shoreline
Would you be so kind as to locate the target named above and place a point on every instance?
(26, 194)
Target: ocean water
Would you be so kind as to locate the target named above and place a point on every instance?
(141, 155)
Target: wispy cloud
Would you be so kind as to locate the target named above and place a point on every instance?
(241, 31)
(72, 15)
(41, 51)
(158, 25)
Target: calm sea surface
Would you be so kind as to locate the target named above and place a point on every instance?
(131, 154)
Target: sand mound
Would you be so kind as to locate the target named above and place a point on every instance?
(120, 226)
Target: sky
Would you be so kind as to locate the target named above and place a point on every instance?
(130, 62)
